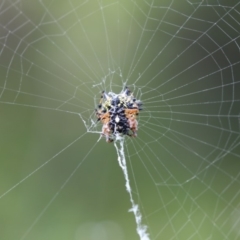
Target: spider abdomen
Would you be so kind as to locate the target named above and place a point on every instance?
(118, 114)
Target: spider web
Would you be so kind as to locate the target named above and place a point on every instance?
(59, 180)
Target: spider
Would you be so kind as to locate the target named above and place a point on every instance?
(118, 114)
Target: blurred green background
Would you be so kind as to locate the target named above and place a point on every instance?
(57, 181)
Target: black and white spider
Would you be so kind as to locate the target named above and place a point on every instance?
(118, 114)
